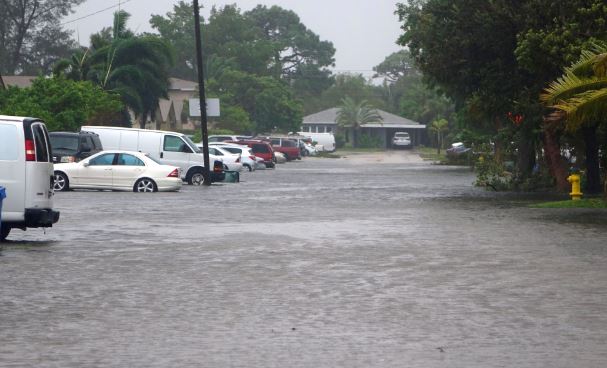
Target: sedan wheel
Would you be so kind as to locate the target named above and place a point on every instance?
(145, 186)
(61, 182)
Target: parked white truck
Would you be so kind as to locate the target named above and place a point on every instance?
(169, 148)
(26, 173)
(326, 140)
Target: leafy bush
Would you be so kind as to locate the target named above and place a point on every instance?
(492, 174)
(369, 141)
(340, 140)
(63, 104)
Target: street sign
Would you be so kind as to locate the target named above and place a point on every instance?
(212, 107)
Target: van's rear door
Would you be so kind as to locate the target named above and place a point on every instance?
(12, 170)
(38, 166)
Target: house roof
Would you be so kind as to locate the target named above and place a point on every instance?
(21, 81)
(182, 85)
(329, 117)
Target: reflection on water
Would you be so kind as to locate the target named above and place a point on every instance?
(319, 263)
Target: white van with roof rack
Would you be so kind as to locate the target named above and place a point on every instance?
(26, 173)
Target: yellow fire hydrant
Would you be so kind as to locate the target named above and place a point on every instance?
(576, 193)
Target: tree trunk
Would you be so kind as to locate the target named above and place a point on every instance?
(526, 157)
(593, 173)
(556, 165)
(498, 142)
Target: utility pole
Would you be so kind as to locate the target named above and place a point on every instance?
(203, 103)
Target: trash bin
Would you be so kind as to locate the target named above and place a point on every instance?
(2, 196)
(232, 177)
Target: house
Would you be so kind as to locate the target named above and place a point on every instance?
(172, 113)
(2, 86)
(326, 122)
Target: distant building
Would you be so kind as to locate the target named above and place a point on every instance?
(20, 81)
(326, 122)
(172, 113)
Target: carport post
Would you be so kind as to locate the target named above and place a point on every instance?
(203, 104)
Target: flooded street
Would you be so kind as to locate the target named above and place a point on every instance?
(319, 263)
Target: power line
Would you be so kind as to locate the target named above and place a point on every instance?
(97, 12)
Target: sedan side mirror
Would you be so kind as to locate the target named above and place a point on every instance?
(85, 164)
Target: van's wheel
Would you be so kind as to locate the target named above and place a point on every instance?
(61, 183)
(196, 178)
(4, 231)
(248, 167)
(145, 185)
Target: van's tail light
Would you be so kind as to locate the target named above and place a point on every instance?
(30, 150)
(238, 159)
(174, 174)
(253, 158)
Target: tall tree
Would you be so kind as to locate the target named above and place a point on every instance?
(177, 27)
(135, 66)
(31, 37)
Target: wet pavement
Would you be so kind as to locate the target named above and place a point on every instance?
(319, 263)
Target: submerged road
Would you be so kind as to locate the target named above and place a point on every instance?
(319, 263)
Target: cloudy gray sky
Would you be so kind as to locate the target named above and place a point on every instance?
(364, 32)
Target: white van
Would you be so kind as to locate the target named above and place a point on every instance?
(327, 140)
(169, 148)
(26, 172)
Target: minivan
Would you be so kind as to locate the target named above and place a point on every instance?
(169, 148)
(73, 147)
(286, 146)
(26, 172)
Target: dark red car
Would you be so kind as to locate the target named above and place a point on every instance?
(260, 149)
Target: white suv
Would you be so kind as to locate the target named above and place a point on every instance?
(26, 173)
(401, 140)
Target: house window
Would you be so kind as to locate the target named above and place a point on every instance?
(328, 129)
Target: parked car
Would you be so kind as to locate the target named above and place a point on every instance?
(249, 161)
(168, 148)
(225, 138)
(260, 149)
(287, 146)
(26, 173)
(457, 149)
(401, 140)
(310, 149)
(73, 147)
(118, 170)
(231, 161)
(280, 157)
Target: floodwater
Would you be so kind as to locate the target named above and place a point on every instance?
(319, 263)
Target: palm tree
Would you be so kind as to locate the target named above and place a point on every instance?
(439, 127)
(136, 67)
(579, 98)
(352, 115)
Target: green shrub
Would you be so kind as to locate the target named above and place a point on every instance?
(369, 141)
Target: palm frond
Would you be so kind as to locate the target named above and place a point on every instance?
(585, 108)
(570, 85)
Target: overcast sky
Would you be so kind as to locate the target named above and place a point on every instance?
(364, 32)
